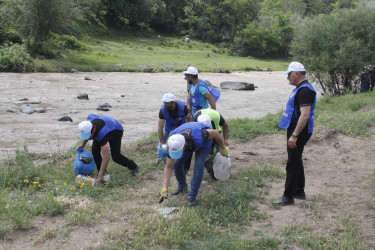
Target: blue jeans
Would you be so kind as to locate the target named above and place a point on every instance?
(179, 171)
(166, 136)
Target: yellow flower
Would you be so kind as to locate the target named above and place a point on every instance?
(65, 184)
(82, 185)
(35, 182)
(39, 185)
(72, 188)
(26, 181)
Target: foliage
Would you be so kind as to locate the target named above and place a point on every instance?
(15, 58)
(9, 35)
(347, 47)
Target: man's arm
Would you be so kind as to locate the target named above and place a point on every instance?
(105, 161)
(216, 136)
(211, 100)
(301, 124)
(160, 131)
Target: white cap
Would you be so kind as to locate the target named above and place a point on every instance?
(191, 71)
(294, 66)
(84, 130)
(176, 145)
(205, 119)
(169, 97)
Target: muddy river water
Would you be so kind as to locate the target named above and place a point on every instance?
(135, 100)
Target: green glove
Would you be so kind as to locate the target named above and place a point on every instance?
(163, 194)
(224, 152)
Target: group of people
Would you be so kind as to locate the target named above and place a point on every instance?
(367, 80)
(196, 127)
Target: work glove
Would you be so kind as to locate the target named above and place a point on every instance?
(163, 194)
(224, 152)
(164, 148)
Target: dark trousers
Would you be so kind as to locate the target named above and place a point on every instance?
(295, 174)
(115, 146)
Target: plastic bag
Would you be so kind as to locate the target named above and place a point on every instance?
(221, 167)
(84, 163)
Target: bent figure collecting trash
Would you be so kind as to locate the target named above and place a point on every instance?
(184, 140)
(104, 130)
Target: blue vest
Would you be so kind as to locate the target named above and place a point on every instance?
(170, 122)
(194, 97)
(196, 128)
(290, 110)
(110, 125)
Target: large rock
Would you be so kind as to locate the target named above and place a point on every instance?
(237, 85)
(83, 96)
(65, 119)
(27, 110)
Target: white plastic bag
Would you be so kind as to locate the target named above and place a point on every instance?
(221, 167)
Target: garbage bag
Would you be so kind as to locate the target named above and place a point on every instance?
(84, 163)
(221, 167)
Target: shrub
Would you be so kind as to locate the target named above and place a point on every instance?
(15, 58)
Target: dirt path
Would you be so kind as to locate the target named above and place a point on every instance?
(339, 170)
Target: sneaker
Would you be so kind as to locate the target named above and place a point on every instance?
(300, 194)
(284, 201)
(180, 191)
(192, 201)
(134, 171)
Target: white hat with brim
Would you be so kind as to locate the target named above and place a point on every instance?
(294, 66)
(84, 130)
(205, 120)
(169, 97)
(191, 71)
(176, 145)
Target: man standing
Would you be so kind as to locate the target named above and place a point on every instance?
(103, 130)
(186, 139)
(172, 114)
(298, 120)
(372, 77)
(365, 80)
(198, 92)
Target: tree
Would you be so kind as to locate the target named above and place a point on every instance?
(334, 48)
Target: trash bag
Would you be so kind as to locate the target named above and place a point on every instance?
(209, 166)
(221, 166)
(162, 153)
(84, 163)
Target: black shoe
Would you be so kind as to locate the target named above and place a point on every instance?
(284, 201)
(180, 191)
(134, 171)
(191, 201)
(300, 195)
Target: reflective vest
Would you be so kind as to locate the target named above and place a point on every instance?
(196, 128)
(194, 97)
(170, 122)
(214, 115)
(110, 125)
(291, 111)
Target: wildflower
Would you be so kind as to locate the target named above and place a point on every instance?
(82, 185)
(35, 182)
(72, 188)
(40, 185)
(26, 181)
(65, 184)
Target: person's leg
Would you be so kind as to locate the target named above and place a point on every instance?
(96, 149)
(115, 145)
(179, 172)
(300, 185)
(200, 157)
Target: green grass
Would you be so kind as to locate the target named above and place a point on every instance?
(149, 52)
(220, 220)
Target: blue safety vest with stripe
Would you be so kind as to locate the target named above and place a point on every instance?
(196, 128)
(170, 122)
(195, 96)
(110, 125)
(290, 110)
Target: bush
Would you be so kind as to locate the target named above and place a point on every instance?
(8, 35)
(15, 58)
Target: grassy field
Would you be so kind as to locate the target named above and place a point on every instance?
(148, 52)
(28, 190)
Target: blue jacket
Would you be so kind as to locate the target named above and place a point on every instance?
(110, 125)
(290, 110)
(196, 128)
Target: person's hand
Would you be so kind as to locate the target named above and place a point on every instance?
(80, 147)
(226, 142)
(163, 194)
(292, 142)
(224, 152)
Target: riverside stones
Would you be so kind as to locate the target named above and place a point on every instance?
(26, 109)
(104, 107)
(237, 85)
(83, 96)
(65, 119)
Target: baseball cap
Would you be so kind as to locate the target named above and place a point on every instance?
(205, 119)
(191, 71)
(294, 66)
(169, 97)
(84, 130)
(176, 145)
